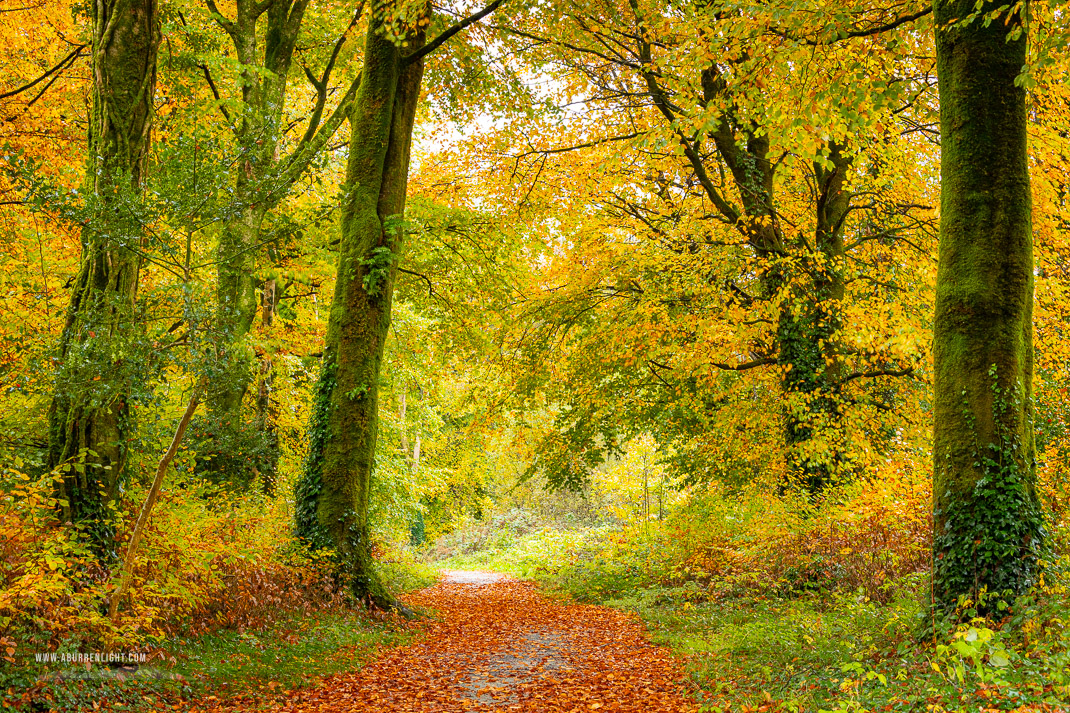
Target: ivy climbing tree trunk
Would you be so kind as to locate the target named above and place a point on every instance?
(808, 345)
(988, 524)
(334, 489)
(90, 412)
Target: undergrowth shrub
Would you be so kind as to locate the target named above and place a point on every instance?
(872, 537)
(204, 564)
(497, 531)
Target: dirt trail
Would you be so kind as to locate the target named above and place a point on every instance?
(497, 644)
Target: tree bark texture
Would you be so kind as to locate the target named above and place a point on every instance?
(89, 416)
(988, 527)
(332, 495)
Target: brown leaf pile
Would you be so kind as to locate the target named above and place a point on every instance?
(503, 646)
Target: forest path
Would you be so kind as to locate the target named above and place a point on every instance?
(498, 644)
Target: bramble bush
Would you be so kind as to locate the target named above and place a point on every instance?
(204, 564)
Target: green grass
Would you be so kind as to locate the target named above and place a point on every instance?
(815, 651)
(750, 650)
(291, 654)
(841, 652)
(407, 576)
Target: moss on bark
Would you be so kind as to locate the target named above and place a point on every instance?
(334, 489)
(988, 525)
(257, 191)
(89, 415)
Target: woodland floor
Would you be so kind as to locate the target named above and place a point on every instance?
(494, 643)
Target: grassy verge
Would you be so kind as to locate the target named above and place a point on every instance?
(845, 654)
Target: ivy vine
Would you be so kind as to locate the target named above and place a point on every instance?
(992, 539)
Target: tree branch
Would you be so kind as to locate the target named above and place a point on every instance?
(868, 32)
(126, 572)
(661, 101)
(295, 164)
(589, 144)
(60, 66)
(425, 278)
(878, 372)
(215, 93)
(321, 83)
(445, 36)
(226, 24)
(746, 365)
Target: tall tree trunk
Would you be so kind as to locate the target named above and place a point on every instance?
(237, 303)
(258, 131)
(226, 460)
(263, 181)
(89, 416)
(334, 489)
(988, 523)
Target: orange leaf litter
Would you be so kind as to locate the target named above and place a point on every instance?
(503, 646)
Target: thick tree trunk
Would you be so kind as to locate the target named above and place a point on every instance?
(988, 524)
(226, 461)
(89, 416)
(334, 490)
(236, 310)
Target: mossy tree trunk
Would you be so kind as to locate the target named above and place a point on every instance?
(988, 524)
(334, 489)
(89, 419)
(257, 132)
(267, 411)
